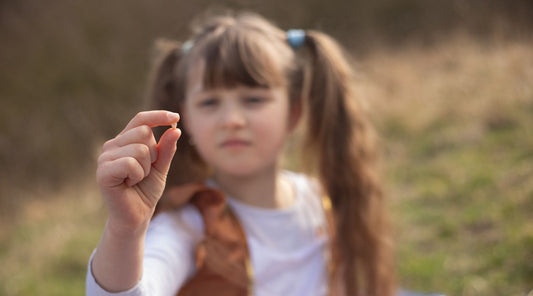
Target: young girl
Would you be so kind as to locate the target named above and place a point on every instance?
(230, 221)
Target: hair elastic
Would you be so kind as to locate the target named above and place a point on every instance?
(186, 46)
(296, 38)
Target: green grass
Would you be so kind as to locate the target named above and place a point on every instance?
(46, 249)
(456, 121)
(460, 169)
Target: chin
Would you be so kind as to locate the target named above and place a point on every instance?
(241, 170)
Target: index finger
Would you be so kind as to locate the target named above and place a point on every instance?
(152, 119)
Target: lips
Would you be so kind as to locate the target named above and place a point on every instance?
(234, 143)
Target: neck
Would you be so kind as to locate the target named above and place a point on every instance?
(266, 189)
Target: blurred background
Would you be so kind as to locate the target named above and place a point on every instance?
(448, 84)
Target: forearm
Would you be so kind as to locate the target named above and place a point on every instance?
(118, 261)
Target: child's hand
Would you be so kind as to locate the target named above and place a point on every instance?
(132, 170)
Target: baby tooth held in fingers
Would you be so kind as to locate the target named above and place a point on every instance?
(174, 125)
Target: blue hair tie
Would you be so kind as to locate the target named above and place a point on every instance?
(296, 38)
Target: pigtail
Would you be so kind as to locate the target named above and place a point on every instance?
(338, 133)
(166, 92)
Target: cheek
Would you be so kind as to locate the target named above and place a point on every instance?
(273, 128)
(202, 140)
(192, 120)
(198, 130)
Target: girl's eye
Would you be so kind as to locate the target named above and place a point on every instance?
(208, 102)
(253, 100)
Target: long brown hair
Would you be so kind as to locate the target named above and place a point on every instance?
(338, 140)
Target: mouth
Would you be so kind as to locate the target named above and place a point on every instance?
(234, 143)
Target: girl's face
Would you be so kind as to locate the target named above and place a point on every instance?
(238, 131)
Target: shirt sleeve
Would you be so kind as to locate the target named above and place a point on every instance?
(169, 258)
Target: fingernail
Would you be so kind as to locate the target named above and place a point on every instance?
(173, 116)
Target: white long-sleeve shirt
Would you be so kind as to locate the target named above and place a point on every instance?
(288, 247)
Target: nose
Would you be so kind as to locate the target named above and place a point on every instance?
(233, 117)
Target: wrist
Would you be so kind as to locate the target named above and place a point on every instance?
(120, 232)
(117, 263)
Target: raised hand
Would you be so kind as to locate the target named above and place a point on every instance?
(132, 170)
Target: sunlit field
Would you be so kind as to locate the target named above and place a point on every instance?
(456, 121)
(456, 127)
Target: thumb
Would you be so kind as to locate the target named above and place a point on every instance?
(166, 149)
